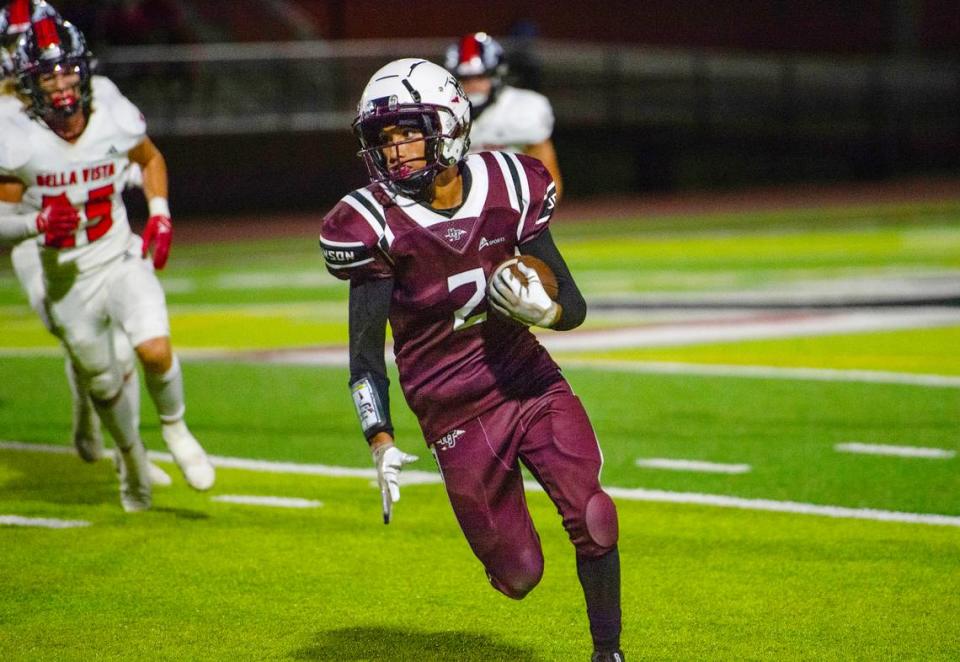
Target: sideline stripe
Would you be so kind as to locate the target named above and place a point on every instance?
(278, 502)
(767, 372)
(628, 494)
(899, 451)
(42, 522)
(756, 328)
(692, 465)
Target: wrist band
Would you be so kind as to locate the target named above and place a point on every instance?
(159, 207)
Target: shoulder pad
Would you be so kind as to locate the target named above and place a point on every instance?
(107, 98)
(354, 236)
(15, 148)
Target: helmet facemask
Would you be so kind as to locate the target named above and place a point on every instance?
(49, 51)
(407, 170)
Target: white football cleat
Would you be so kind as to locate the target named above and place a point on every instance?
(189, 455)
(133, 469)
(158, 476)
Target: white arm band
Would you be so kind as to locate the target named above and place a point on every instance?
(159, 207)
(14, 225)
(370, 407)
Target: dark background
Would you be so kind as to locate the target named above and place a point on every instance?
(721, 123)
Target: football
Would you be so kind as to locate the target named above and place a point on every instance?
(546, 274)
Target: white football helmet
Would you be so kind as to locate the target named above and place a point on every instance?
(421, 95)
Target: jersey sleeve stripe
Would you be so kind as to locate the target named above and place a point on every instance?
(549, 204)
(349, 265)
(523, 188)
(370, 215)
(340, 244)
(509, 181)
(376, 209)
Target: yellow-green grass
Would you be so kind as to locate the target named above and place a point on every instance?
(199, 580)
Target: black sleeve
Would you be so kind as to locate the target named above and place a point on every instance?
(568, 294)
(369, 309)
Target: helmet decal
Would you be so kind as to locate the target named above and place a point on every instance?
(46, 36)
(19, 16)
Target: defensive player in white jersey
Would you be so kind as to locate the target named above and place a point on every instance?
(63, 159)
(15, 20)
(505, 118)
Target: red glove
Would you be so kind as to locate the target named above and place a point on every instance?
(159, 233)
(57, 222)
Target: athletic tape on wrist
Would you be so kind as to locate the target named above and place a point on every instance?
(159, 207)
(369, 405)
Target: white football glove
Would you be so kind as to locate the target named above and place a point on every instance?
(389, 461)
(528, 304)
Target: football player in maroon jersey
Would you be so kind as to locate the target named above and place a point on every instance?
(421, 246)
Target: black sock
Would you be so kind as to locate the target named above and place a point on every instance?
(600, 578)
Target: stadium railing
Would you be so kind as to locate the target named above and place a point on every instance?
(313, 86)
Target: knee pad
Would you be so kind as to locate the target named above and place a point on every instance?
(600, 517)
(105, 386)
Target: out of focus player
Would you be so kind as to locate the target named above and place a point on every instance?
(421, 246)
(505, 118)
(64, 154)
(25, 256)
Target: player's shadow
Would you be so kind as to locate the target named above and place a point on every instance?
(64, 481)
(68, 481)
(394, 645)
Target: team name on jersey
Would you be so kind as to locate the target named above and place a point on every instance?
(71, 177)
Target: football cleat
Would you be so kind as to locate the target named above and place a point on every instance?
(87, 438)
(133, 470)
(607, 656)
(158, 476)
(189, 455)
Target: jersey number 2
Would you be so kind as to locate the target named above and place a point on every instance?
(462, 319)
(98, 210)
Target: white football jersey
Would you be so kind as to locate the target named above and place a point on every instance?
(90, 173)
(515, 119)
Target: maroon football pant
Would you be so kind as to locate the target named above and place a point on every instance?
(480, 462)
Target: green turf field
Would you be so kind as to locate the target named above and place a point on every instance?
(198, 579)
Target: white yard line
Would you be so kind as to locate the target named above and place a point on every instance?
(627, 494)
(766, 372)
(41, 522)
(793, 507)
(692, 465)
(766, 325)
(273, 501)
(899, 451)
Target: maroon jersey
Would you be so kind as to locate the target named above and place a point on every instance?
(456, 356)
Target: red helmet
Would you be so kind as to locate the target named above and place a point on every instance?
(476, 54)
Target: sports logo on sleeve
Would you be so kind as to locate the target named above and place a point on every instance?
(549, 204)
